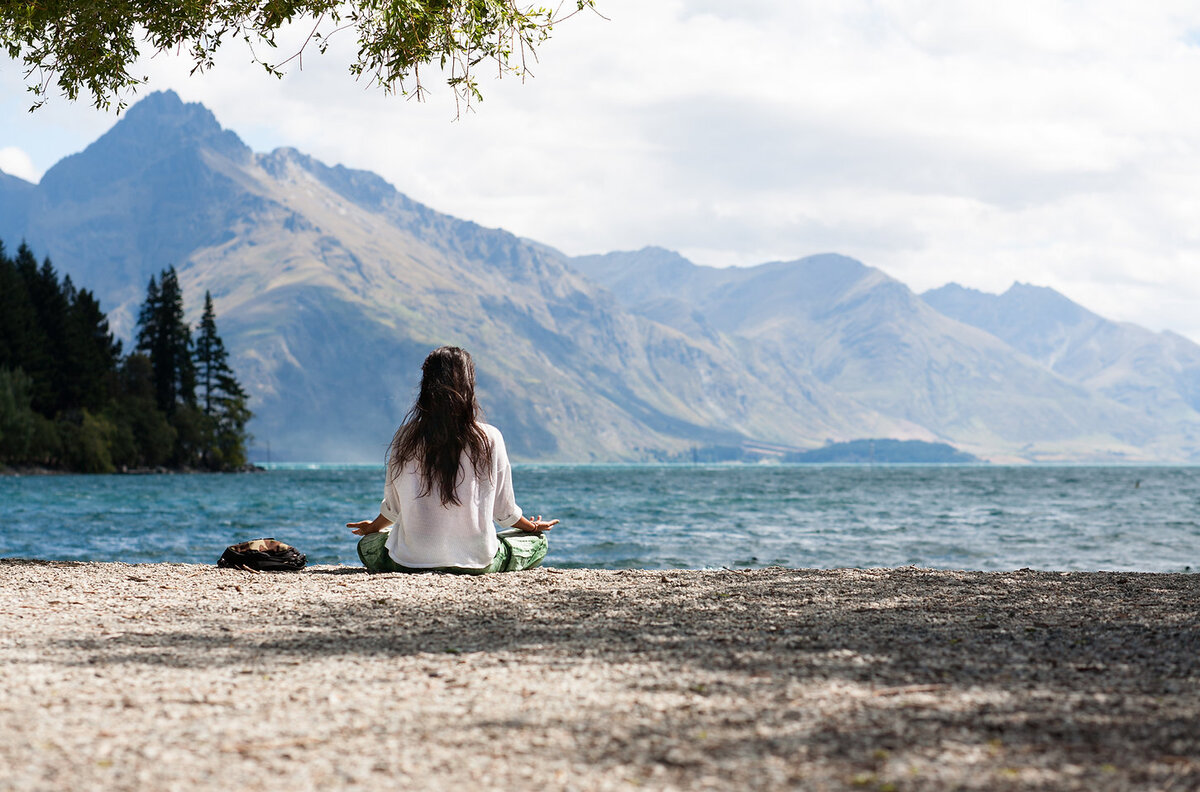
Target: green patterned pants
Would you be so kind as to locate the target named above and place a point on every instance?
(517, 551)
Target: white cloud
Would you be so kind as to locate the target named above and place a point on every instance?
(1046, 142)
(16, 162)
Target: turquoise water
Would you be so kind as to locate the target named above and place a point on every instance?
(647, 516)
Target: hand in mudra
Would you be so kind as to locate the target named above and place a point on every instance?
(540, 525)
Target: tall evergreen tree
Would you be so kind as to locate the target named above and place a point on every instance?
(178, 338)
(92, 353)
(42, 342)
(223, 399)
(147, 323)
(18, 320)
(210, 356)
(166, 339)
(232, 415)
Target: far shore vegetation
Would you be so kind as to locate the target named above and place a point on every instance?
(71, 401)
(881, 451)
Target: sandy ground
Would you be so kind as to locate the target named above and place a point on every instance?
(181, 677)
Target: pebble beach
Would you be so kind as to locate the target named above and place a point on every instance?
(188, 677)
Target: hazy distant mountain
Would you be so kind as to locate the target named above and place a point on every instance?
(1157, 374)
(15, 196)
(870, 338)
(1036, 320)
(331, 286)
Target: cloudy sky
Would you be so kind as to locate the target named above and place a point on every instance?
(1055, 143)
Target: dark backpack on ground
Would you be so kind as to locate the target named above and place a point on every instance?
(262, 555)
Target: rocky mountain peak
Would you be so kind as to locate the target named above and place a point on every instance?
(162, 120)
(165, 110)
(159, 127)
(1046, 303)
(1023, 310)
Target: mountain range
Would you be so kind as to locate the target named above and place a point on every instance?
(331, 286)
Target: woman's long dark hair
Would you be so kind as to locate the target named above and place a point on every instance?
(442, 423)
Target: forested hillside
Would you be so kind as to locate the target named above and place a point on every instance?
(70, 400)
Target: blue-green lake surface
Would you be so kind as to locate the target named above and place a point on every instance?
(655, 516)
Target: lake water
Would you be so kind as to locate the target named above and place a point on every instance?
(651, 516)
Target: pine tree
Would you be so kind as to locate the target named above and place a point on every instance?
(92, 353)
(18, 320)
(177, 339)
(43, 342)
(166, 339)
(147, 322)
(232, 415)
(210, 357)
(223, 399)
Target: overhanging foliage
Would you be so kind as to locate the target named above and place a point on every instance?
(88, 47)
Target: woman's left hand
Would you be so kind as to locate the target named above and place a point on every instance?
(364, 527)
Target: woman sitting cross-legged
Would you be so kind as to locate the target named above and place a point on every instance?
(448, 480)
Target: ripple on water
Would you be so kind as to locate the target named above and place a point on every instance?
(654, 516)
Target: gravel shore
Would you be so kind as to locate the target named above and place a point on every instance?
(185, 677)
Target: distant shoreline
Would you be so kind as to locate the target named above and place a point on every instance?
(48, 471)
(296, 466)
